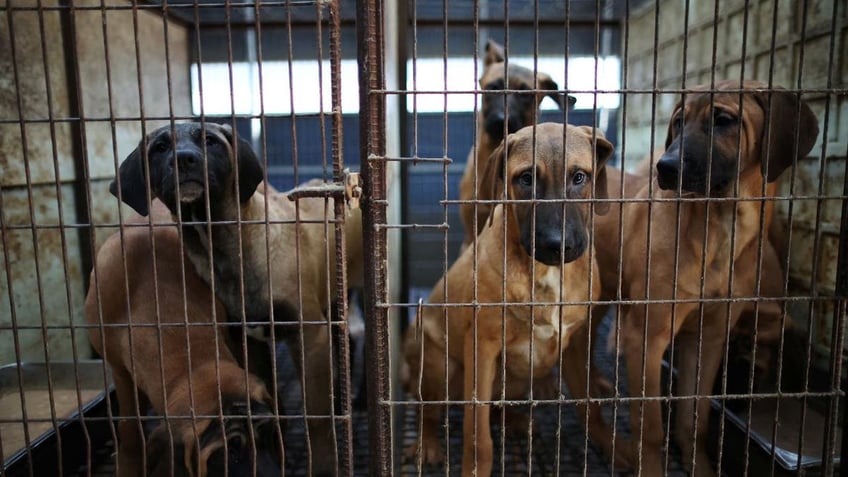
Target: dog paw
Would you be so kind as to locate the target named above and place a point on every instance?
(547, 387)
(424, 452)
(701, 467)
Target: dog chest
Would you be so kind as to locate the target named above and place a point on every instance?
(537, 345)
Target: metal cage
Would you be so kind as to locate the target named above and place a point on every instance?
(374, 109)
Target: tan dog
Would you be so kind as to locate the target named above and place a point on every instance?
(694, 244)
(501, 113)
(161, 346)
(547, 261)
(281, 258)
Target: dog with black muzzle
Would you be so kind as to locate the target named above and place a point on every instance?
(155, 322)
(273, 258)
(700, 227)
(511, 102)
(530, 252)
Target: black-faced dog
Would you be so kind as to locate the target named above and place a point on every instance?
(175, 367)
(512, 103)
(278, 261)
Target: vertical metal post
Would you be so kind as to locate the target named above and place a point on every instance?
(840, 312)
(372, 136)
(340, 332)
(81, 181)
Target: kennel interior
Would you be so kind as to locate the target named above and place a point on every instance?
(391, 90)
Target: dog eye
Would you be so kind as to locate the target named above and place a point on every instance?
(160, 147)
(578, 178)
(677, 122)
(722, 119)
(525, 179)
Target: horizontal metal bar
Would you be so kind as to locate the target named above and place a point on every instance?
(615, 400)
(658, 301)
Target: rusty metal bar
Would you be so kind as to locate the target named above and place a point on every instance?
(372, 136)
(349, 183)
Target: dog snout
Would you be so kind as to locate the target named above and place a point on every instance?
(549, 247)
(668, 171)
(189, 160)
(515, 123)
(495, 123)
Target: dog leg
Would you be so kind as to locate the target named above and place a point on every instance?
(316, 378)
(692, 440)
(427, 447)
(575, 365)
(427, 450)
(645, 416)
(130, 434)
(477, 431)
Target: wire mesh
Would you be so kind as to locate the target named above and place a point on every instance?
(84, 82)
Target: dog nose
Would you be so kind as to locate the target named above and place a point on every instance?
(497, 119)
(514, 123)
(188, 159)
(668, 166)
(549, 248)
(668, 172)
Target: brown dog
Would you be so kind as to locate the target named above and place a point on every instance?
(696, 249)
(161, 346)
(502, 112)
(545, 249)
(280, 257)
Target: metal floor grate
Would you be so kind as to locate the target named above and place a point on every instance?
(559, 445)
(558, 440)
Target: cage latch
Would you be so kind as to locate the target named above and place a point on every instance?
(349, 189)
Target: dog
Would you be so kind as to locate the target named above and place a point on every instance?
(501, 113)
(282, 260)
(704, 221)
(175, 368)
(544, 248)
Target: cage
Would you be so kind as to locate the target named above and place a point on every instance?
(379, 305)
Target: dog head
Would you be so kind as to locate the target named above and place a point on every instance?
(512, 111)
(235, 446)
(185, 162)
(713, 138)
(562, 166)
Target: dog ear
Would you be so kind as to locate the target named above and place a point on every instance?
(603, 153)
(133, 181)
(250, 172)
(161, 462)
(493, 177)
(782, 146)
(494, 53)
(564, 101)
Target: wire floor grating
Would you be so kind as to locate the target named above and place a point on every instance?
(556, 445)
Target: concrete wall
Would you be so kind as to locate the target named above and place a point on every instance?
(41, 276)
(796, 54)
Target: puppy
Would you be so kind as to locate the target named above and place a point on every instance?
(544, 249)
(502, 112)
(161, 346)
(269, 255)
(718, 148)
